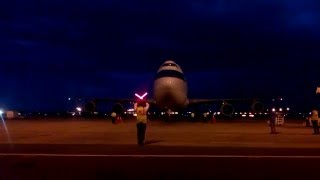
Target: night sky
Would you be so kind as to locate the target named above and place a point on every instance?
(54, 49)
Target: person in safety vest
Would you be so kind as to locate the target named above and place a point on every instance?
(113, 117)
(141, 108)
(273, 120)
(314, 120)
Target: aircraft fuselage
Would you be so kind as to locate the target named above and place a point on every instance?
(170, 87)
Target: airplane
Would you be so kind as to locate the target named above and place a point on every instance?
(170, 92)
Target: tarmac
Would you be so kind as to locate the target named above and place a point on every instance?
(220, 134)
(80, 148)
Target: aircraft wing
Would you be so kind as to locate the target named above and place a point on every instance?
(92, 103)
(120, 100)
(227, 107)
(203, 101)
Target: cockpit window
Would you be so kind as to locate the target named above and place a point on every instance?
(169, 64)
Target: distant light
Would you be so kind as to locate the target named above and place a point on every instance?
(69, 99)
(243, 115)
(280, 109)
(251, 115)
(281, 99)
(1, 112)
(273, 109)
(288, 109)
(79, 109)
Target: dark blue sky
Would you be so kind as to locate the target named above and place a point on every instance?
(51, 50)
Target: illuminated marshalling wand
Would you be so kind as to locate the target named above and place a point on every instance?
(141, 97)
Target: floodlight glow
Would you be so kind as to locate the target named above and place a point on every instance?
(280, 109)
(79, 109)
(1, 112)
(273, 109)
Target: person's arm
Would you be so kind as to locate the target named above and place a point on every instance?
(135, 106)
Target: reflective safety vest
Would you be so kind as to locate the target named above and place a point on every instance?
(314, 115)
(141, 114)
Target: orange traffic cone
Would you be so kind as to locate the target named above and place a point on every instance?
(213, 120)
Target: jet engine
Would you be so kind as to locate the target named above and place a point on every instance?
(257, 107)
(117, 108)
(90, 106)
(227, 109)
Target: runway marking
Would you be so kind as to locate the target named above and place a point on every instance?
(157, 156)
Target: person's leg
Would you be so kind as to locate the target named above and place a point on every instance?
(272, 128)
(314, 124)
(139, 133)
(143, 132)
(317, 127)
